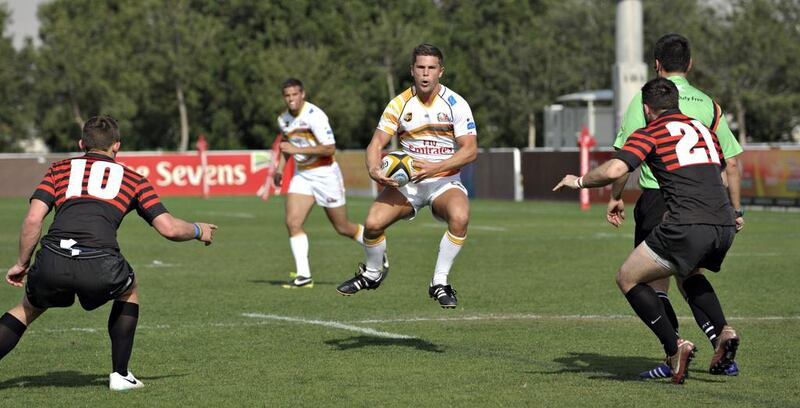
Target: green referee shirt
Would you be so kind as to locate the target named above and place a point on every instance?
(694, 104)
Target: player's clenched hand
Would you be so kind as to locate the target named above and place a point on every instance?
(16, 274)
(569, 181)
(424, 169)
(206, 233)
(739, 223)
(616, 212)
(376, 174)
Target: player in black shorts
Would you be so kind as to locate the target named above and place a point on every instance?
(698, 227)
(80, 255)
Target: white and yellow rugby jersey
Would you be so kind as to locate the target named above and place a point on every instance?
(428, 132)
(309, 128)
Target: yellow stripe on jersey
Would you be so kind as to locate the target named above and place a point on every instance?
(456, 240)
(433, 129)
(390, 117)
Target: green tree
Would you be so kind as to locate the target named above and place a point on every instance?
(80, 69)
(14, 90)
(517, 56)
(758, 82)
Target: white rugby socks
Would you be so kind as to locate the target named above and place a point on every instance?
(374, 249)
(359, 237)
(299, 244)
(449, 247)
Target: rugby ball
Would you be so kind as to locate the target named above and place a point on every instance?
(398, 167)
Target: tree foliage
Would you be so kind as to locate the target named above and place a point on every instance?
(170, 70)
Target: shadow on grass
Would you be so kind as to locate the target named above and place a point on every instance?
(368, 341)
(66, 379)
(615, 368)
(274, 282)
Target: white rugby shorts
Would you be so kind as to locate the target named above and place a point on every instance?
(423, 193)
(325, 183)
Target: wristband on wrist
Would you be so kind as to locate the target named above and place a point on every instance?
(739, 213)
(579, 182)
(197, 231)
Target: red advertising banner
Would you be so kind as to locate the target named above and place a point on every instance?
(180, 174)
(771, 176)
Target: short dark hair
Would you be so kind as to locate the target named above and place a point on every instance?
(427, 49)
(100, 132)
(673, 51)
(292, 82)
(660, 94)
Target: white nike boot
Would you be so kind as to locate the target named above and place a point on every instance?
(117, 382)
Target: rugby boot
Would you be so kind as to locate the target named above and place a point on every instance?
(117, 382)
(661, 371)
(299, 282)
(725, 353)
(445, 294)
(359, 282)
(679, 362)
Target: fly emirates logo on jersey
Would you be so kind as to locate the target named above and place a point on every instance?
(227, 173)
(430, 147)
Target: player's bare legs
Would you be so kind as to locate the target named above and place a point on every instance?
(14, 323)
(25, 312)
(338, 218)
(388, 208)
(298, 206)
(632, 278)
(453, 207)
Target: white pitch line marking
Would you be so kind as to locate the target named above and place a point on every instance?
(402, 320)
(549, 317)
(326, 323)
(228, 214)
(158, 264)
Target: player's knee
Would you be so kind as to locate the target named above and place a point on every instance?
(458, 221)
(623, 282)
(373, 228)
(294, 226)
(343, 229)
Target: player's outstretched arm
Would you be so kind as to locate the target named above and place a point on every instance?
(176, 229)
(318, 150)
(600, 176)
(379, 140)
(28, 237)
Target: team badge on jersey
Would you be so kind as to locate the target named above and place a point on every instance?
(442, 117)
(407, 117)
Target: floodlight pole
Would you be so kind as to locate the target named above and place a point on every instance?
(630, 71)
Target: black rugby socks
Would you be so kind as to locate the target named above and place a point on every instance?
(700, 295)
(121, 328)
(11, 330)
(673, 318)
(650, 309)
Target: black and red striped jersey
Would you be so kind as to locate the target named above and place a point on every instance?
(91, 195)
(686, 161)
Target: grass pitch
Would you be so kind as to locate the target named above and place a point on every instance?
(540, 321)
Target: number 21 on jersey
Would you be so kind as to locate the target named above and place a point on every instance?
(95, 187)
(687, 150)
